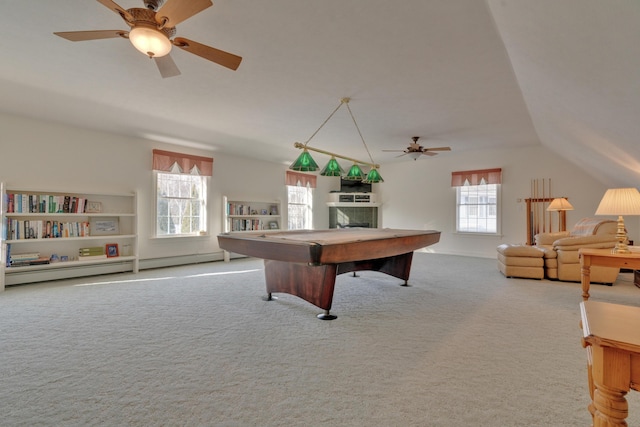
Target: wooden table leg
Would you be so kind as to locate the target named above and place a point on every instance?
(610, 407)
(611, 376)
(312, 283)
(585, 276)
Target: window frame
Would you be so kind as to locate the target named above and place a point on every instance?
(309, 207)
(204, 223)
(498, 210)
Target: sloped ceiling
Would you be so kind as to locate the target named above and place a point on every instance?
(467, 74)
(578, 66)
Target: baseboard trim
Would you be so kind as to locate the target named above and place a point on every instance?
(49, 274)
(149, 263)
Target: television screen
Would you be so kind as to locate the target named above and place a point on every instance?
(354, 186)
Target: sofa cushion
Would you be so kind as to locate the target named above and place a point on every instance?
(548, 251)
(591, 226)
(520, 251)
(575, 243)
(543, 239)
(522, 261)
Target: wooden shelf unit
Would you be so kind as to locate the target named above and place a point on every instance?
(85, 229)
(245, 215)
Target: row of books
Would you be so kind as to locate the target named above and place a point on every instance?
(43, 203)
(15, 229)
(34, 258)
(236, 209)
(24, 259)
(240, 209)
(252, 225)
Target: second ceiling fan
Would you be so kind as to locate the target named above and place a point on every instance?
(415, 150)
(152, 29)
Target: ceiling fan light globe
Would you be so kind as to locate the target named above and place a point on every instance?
(150, 41)
(414, 155)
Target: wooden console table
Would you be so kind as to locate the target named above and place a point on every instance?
(612, 337)
(605, 258)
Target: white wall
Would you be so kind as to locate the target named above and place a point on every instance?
(41, 155)
(417, 194)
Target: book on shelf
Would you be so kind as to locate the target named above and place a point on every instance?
(24, 263)
(24, 259)
(7, 261)
(25, 256)
(93, 250)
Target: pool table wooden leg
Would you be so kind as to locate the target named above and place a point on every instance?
(312, 283)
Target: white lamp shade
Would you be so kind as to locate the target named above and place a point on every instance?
(415, 154)
(620, 201)
(150, 41)
(560, 204)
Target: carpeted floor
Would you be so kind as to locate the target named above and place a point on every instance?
(197, 346)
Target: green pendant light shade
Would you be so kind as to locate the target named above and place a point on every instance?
(332, 168)
(304, 163)
(373, 176)
(354, 174)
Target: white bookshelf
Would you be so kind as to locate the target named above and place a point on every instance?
(44, 227)
(246, 215)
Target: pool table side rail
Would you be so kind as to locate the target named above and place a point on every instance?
(267, 246)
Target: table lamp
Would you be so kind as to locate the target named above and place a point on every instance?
(620, 201)
(560, 204)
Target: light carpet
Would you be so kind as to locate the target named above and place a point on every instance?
(197, 346)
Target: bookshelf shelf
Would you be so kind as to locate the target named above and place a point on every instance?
(44, 231)
(245, 215)
(65, 239)
(70, 264)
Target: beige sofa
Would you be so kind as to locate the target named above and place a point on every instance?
(561, 261)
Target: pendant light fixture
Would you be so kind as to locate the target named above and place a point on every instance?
(332, 168)
(305, 162)
(354, 174)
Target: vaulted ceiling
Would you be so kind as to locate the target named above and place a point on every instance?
(468, 74)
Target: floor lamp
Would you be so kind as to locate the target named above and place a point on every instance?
(620, 201)
(562, 205)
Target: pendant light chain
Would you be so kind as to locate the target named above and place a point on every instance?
(325, 122)
(358, 129)
(305, 162)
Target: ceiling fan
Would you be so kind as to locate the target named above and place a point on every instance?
(152, 29)
(415, 150)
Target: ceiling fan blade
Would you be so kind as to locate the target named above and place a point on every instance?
(397, 151)
(429, 153)
(403, 154)
(166, 66)
(79, 36)
(221, 57)
(438, 149)
(175, 11)
(117, 9)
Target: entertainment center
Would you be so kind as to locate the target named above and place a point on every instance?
(355, 205)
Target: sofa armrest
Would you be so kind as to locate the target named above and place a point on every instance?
(576, 242)
(543, 239)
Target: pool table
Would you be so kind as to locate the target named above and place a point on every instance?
(305, 263)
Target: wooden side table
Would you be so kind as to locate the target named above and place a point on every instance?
(612, 337)
(605, 258)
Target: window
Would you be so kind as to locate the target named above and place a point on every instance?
(477, 200)
(477, 208)
(181, 193)
(300, 207)
(300, 200)
(181, 204)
